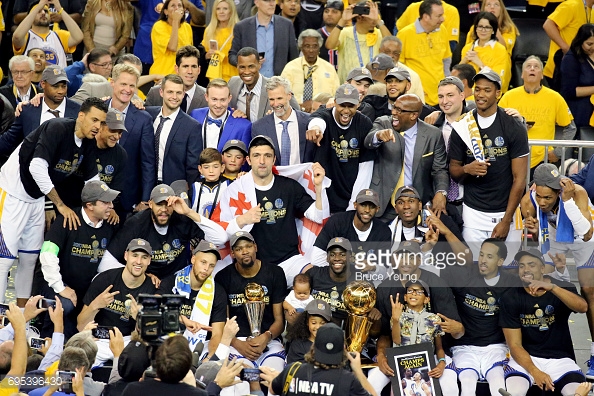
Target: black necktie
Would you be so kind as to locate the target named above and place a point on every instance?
(55, 113)
(158, 138)
(184, 103)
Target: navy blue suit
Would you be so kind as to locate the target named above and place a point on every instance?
(139, 143)
(27, 122)
(265, 126)
(234, 128)
(183, 148)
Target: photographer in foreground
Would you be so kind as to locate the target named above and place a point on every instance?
(325, 368)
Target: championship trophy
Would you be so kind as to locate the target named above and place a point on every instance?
(254, 307)
(359, 298)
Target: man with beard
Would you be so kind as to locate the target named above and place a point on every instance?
(534, 319)
(54, 104)
(493, 170)
(286, 127)
(406, 263)
(168, 225)
(339, 133)
(392, 46)
(34, 32)
(265, 349)
(397, 84)
(58, 148)
(358, 226)
(410, 153)
(204, 306)
(106, 299)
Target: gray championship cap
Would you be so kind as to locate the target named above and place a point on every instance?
(453, 80)
(399, 73)
(407, 191)
(408, 246)
(115, 120)
(359, 73)
(260, 138)
(340, 242)
(529, 252)
(489, 75)
(54, 74)
(547, 175)
(236, 144)
(368, 195)
(139, 244)
(319, 308)
(161, 192)
(383, 62)
(207, 247)
(346, 93)
(240, 235)
(96, 190)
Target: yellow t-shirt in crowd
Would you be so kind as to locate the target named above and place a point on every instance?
(424, 53)
(508, 37)
(164, 60)
(221, 37)
(546, 108)
(348, 58)
(568, 16)
(495, 56)
(451, 21)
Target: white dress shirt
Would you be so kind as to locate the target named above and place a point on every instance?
(293, 128)
(211, 131)
(255, 103)
(163, 138)
(46, 115)
(190, 92)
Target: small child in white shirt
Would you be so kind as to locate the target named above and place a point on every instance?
(298, 298)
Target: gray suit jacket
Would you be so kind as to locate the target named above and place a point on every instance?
(430, 171)
(153, 98)
(235, 85)
(95, 90)
(285, 43)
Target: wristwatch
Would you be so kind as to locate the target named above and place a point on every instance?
(380, 23)
(444, 192)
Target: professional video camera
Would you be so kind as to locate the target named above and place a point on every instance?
(158, 315)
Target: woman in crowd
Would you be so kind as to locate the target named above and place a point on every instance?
(507, 32)
(169, 33)
(485, 50)
(577, 75)
(302, 333)
(220, 30)
(107, 24)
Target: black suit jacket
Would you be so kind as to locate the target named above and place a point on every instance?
(7, 90)
(265, 126)
(27, 122)
(183, 148)
(153, 98)
(285, 43)
(430, 172)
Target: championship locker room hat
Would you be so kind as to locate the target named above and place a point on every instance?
(115, 120)
(260, 138)
(180, 188)
(547, 175)
(529, 252)
(340, 242)
(346, 93)
(407, 191)
(359, 73)
(240, 235)
(320, 308)
(161, 192)
(236, 144)
(382, 62)
(409, 246)
(398, 73)
(454, 81)
(139, 244)
(96, 190)
(489, 75)
(207, 247)
(207, 372)
(368, 195)
(54, 74)
(329, 344)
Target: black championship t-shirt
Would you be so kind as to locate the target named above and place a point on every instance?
(80, 251)
(170, 252)
(276, 233)
(115, 314)
(218, 310)
(340, 153)
(311, 380)
(273, 281)
(503, 141)
(297, 350)
(54, 142)
(543, 320)
(324, 288)
(478, 306)
(442, 298)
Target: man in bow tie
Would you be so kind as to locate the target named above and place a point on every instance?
(218, 124)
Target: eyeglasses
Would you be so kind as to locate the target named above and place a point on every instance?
(20, 72)
(105, 65)
(484, 28)
(398, 110)
(418, 292)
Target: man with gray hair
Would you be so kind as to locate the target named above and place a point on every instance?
(21, 88)
(285, 126)
(392, 46)
(310, 74)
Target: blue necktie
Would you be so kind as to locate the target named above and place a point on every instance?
(285, 144)
(213, 121)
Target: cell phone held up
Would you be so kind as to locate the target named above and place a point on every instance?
(36, 343)
(361, 10)
(101, 332)
(250, 374)
(46, 303)
(65, 381)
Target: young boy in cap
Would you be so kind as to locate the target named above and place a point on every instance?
(206, 192)
(339, 133)
(234, 153)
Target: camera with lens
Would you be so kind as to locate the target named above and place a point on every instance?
(158, 315)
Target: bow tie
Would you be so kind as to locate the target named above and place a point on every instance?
(216, 122)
